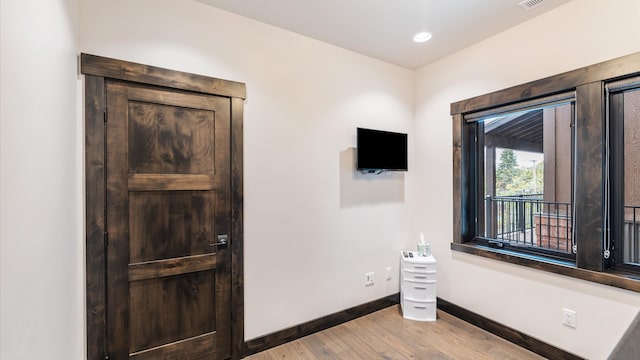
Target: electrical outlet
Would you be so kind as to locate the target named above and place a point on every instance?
(388, 273)
(369, 278)
(569, 318)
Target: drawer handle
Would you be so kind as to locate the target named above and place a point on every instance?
(419, 288)
(420, 267)
(420, 277)
(420, 307)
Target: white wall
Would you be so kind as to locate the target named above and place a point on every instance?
(41, 253)
(313, 227)
(577, 34)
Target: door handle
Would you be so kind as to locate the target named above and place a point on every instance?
(222, 240)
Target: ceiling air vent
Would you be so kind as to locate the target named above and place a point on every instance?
(530, 4)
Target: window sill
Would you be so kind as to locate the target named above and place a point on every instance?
(620, 280)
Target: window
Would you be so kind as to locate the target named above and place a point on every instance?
(622, 243)
(524, 178)
(547, 174)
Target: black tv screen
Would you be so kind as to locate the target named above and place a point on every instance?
(381, 150)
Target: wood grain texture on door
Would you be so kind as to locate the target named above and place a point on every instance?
(168, 198)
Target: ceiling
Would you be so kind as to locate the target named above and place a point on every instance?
(384, 29)
(520, 131)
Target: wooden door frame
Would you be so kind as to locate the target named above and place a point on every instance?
(97, 70)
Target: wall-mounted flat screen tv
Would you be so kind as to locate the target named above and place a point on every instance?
(379, 150)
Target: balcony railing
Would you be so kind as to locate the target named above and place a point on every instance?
(528, 220)
(631, 234)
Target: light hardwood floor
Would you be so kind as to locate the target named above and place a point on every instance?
(386, 335)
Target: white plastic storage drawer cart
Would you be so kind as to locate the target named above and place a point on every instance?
(418, 286)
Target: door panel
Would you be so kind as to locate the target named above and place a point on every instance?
(168, 198)
(166, 224)
(197, 348)
(191, 295)
(170, 139)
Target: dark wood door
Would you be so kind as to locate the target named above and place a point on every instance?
(168, 200)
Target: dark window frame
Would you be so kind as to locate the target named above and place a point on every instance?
(589, 186)
(616, 118)
(477, 180)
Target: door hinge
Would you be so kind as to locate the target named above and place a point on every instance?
(106, 239)
(104, 115)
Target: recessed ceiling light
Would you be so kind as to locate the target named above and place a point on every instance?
(422, 37)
